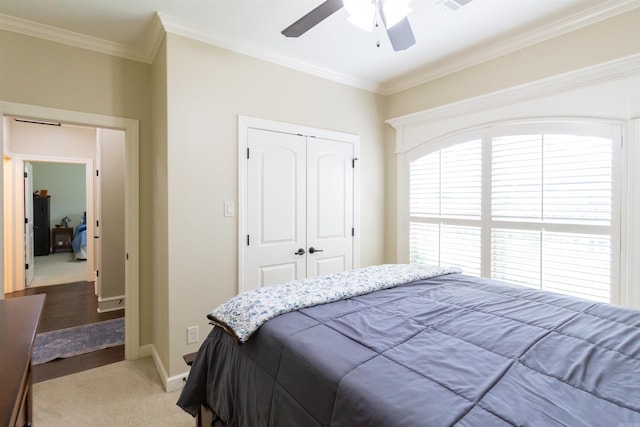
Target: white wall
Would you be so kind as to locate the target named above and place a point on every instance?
(65, 183)
(158, 221)
(29, 139)
(112, 173)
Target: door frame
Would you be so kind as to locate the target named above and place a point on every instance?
(19, 201)
(132, 203)
(28, 233)
(244, 124)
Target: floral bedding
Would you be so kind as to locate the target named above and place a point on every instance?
(243, 314)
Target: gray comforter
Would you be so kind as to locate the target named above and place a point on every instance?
(452, 350)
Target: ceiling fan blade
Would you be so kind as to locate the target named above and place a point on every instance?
(400, 35)
(313, 18)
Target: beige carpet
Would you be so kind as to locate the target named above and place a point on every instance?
(56, 269)
(127, 393)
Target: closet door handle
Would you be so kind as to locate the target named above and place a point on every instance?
(300, 252)
(314, 250)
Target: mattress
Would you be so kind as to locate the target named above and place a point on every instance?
(450, 350)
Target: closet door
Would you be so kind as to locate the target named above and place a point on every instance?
(329, 206)
(299, 208)
(276, 208)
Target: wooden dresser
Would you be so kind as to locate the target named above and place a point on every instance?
(19, 318)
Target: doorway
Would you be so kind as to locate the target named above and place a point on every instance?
(59, 161)
(131, 199)
(56, 200)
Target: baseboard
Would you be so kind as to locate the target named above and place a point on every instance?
(176, 382)
(110, 304)
(168, 383)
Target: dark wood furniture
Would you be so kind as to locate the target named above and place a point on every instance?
(205, 414)
(41, 226)
(61, 239)
(19, 318)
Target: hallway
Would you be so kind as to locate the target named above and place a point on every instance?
(65, 306)
(56, 269)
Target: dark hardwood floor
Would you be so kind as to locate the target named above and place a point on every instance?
(68, 305)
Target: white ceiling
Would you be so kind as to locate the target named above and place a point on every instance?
(446, 41)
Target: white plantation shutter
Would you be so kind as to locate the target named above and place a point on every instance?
(445, 198)
(545, 182)
(516, 171)
(461, 183)
(425, 185)
(424, 243)
(577, 264)
(460, 245)
(515, 256)
(548, 212)
(577, 179)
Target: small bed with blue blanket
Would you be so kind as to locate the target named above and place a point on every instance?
(79, 242)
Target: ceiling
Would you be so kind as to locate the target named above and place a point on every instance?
(446, 41)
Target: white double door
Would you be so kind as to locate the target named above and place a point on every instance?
(299, 207)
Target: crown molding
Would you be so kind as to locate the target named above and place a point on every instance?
(70, 38)
(181, 28)
(556, 28)
(154, 39)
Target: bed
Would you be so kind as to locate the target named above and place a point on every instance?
(439, 351)
(79, 242)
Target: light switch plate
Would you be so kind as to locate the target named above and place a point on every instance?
(229, 209)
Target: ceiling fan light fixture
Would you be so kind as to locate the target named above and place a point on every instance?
(395, 11)
(364, 13)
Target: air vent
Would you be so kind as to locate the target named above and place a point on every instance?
(453, 5)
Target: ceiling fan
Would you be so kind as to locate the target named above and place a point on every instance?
(367, 14)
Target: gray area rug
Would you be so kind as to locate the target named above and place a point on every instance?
(78, 340)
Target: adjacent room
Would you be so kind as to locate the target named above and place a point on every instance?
(443, 191)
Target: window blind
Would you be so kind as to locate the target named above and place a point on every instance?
(445, 204)
(549, 212)
(516, 177)
(461, 183)
(577, 179)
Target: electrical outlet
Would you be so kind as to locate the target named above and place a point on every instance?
(192, 335)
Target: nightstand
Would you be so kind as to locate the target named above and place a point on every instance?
(61, 239)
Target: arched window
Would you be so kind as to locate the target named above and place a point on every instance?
(532, 208)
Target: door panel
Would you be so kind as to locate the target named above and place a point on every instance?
(329, 206)
(274, 274)
(328, 265)
(276, 222)
(279, 190)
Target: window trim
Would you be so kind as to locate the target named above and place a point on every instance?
(615, 130)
